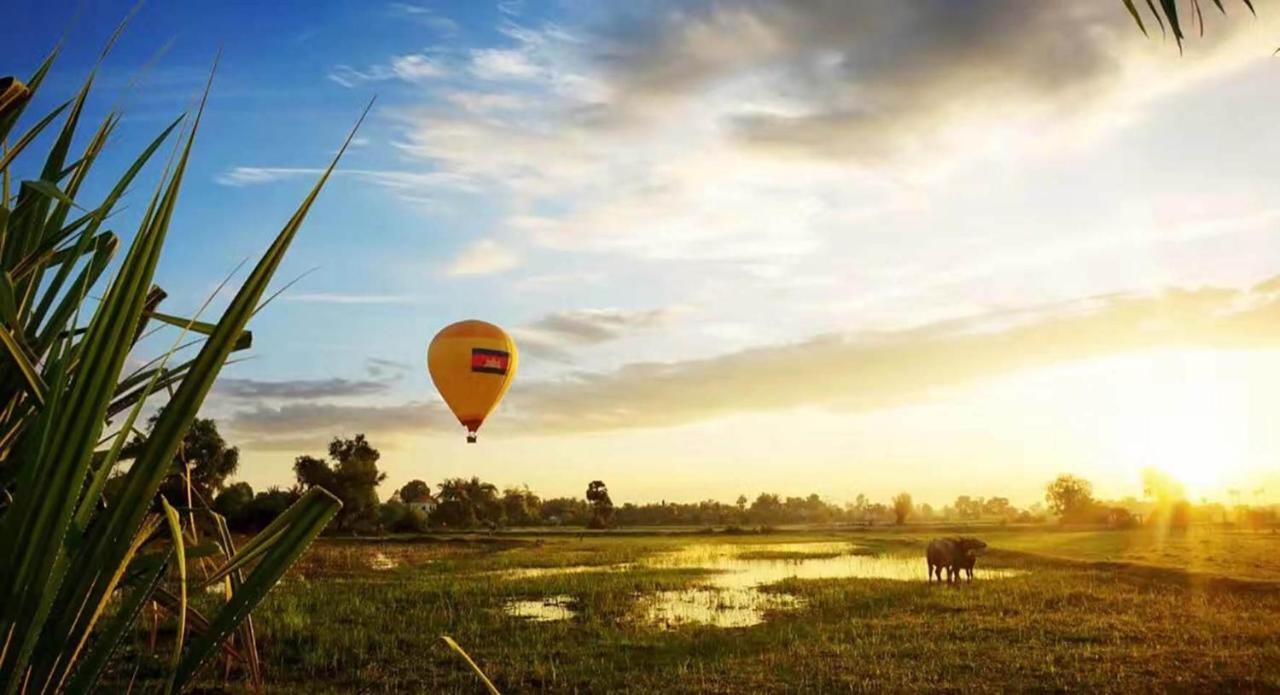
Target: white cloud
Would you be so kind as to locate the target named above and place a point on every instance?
(413, 67)
(486, 102)
(499, 64)
(409, 185)
(484, 257)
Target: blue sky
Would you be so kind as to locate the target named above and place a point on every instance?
(742, 246)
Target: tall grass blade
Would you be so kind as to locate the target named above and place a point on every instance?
(180, 552)
(308, 516)
(90, 667)
(488, 684)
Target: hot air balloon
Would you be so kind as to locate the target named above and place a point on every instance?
(472, 364)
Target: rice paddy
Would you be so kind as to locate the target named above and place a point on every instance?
(802, 611)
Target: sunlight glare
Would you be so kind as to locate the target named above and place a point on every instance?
(1187, 421)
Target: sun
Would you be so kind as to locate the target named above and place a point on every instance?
(1190, 424)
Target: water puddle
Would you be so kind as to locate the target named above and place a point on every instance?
(732, 593)
(379, 561)
(545, 610)
(530, 572)
(717, 607)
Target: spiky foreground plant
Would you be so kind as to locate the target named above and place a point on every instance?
(75, 569)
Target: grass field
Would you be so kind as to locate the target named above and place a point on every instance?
(1089, 610)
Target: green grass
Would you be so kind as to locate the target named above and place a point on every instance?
(1072, 621)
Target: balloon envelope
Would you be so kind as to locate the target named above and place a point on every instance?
(472, 364)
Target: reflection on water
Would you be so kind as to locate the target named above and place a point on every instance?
(380, 561)
(543, 610)
(529, 572)
(717, 607)
(746, 566)
(731, 595)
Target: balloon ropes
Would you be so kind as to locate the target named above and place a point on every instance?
(472, 364)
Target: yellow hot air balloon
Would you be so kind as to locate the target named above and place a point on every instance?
(472, 364)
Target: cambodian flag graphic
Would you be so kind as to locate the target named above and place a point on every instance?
(489, 361)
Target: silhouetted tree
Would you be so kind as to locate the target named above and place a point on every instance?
(767, 509)
(352, 475)
(464, 503)
(415, 491)
(997, 507)
(233, 503)
(520, 506)
(263, 509)
(203, 455)
(902, 505)
(570, 511)
(601, 504)
(1070, 498)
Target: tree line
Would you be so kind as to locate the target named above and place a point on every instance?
(205, 462)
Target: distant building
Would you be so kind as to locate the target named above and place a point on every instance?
(426, 505)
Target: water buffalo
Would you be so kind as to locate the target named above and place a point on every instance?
(953, 554)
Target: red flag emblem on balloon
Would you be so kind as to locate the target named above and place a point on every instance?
(489, 361)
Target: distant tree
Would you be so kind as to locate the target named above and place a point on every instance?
(265, 507)
(352, 475)
(415, 491)
(999, 507)
(203, 457)
(570, 511)
(742, 503)
(767, 509)
(601, 504)
(398, 517)
(233, 502)
(521, 506)
(1070, 498)
(926, 511)
(967, 507)
(902, 505)
(464, 503)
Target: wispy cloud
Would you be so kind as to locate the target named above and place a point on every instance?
(381, 368)
(382, 375)
(841, 372)
(555, 335)
(484, 257)
(344, 298)
(407, 184)
(413, 67)
(291, 421)
(299, 389)
(426, 16)
(503, 64)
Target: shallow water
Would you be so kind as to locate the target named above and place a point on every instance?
(542, 610)
(379, 561)
(731, 594)
(529, 572)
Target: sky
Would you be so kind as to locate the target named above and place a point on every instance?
(946, 248)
